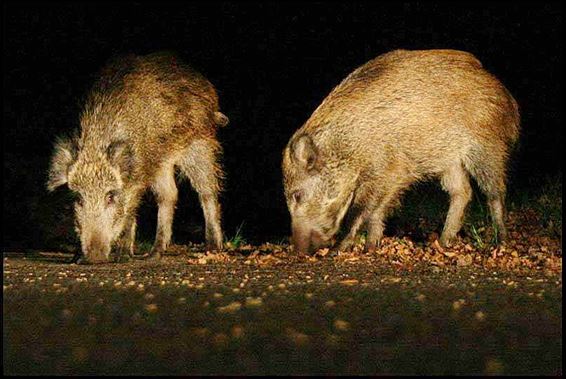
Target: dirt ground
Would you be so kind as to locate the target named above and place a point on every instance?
(412, 308)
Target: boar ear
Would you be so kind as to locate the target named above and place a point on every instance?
(305, 152)
(64, 156)
(120, 154)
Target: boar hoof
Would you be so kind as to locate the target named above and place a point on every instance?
(154, 255)
(122, 258)
(346, 246)
(371, 247)
(502, 237)
(333, 253)
(82, 261)
(447, 241)
(214, 247)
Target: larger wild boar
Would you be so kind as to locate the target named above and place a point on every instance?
(403, 117)
(145, 116)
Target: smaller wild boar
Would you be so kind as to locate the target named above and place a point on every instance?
(144, 117)
(403, 117)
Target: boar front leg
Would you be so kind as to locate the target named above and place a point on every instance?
(376, 221)
(358, 215)
(361, 209)
(124, 247)
(165, 191)
(201, 166)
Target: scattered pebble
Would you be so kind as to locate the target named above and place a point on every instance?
(494, 366)
(479, 315)
(253, 302)
(330, 304)
(341, 325)
(298, 338)
(151, 308)
(237, 331)
(456, 305)
(220, 339)
(149, 296)
(349, 282)
(230, 308)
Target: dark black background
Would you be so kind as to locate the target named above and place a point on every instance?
(272, 64)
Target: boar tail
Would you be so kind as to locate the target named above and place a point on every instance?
(220, 119)
(514, 124)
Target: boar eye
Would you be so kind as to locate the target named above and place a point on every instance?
(111, 197)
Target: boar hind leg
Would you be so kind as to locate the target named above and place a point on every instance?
(455, 181)
(201, 166)
(165, 192)
(490, 176)
(497, 209)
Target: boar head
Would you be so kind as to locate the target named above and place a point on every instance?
(318, 188)
(96, 175)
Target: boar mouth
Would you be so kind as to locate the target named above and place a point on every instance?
(95, 250)
(94, 258)
(308, 239)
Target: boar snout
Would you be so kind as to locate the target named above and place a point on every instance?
(318, 240)
(307, 240)
(301, 239)
(95, 251)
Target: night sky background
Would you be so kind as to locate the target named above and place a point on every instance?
(272, 64)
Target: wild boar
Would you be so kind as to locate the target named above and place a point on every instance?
(144, 117)
(403, 117)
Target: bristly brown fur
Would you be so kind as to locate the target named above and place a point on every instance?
(402, 117)
(145, 116)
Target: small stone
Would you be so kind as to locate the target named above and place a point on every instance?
(330, 303)
(220, 339)
(252, 302)
(80, 354)
(151, 308)
(458, 304)
(298, 338)
(66, 313)
(149, 296)
(201, 332)
(237, 331)
(349, 282)
(230, 308)
(341, 325)
(493, 366)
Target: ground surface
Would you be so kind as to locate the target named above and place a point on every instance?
(409, 309)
